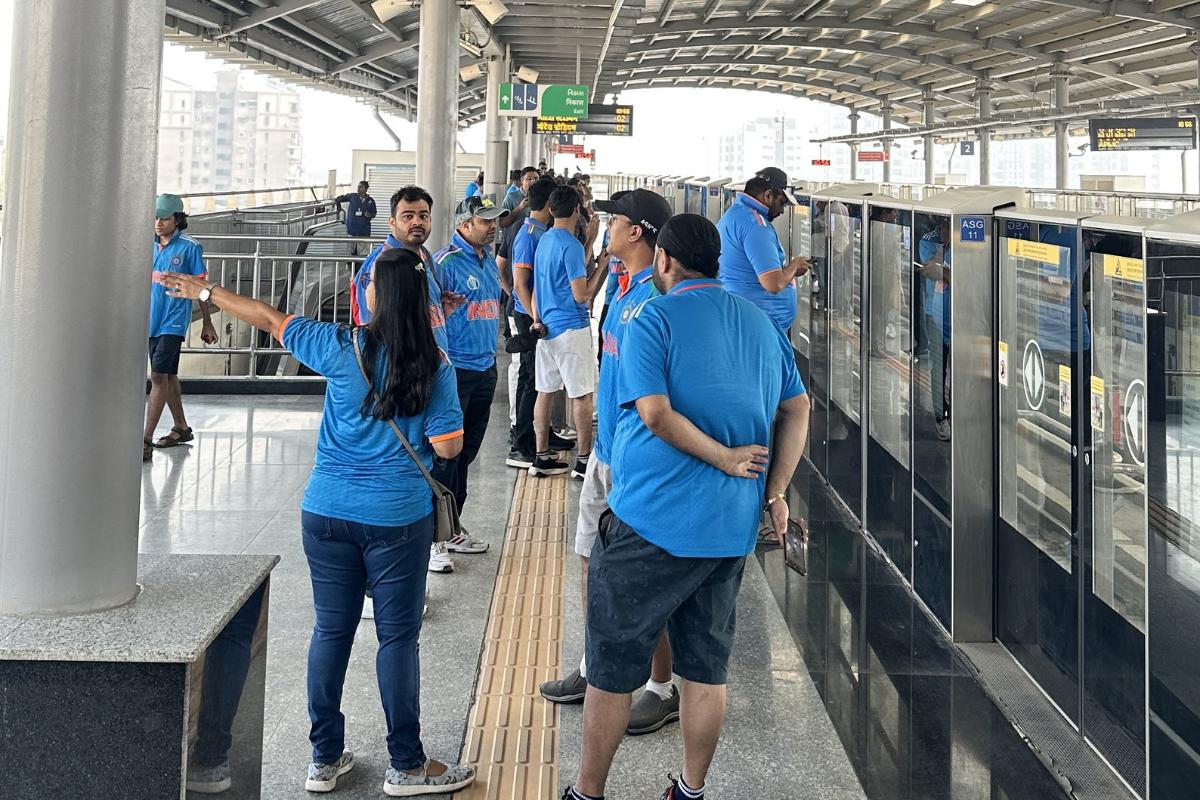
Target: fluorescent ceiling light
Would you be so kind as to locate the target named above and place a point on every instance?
(971, 3)
(387, 9)
(493, 10)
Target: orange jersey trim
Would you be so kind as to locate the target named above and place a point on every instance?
(283, 325)
(519, 265)
(446, 436)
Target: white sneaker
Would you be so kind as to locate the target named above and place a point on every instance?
(439, 559)
(465, 543)
(368, 611)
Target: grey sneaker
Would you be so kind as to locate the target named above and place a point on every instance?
(324, 777)
(398, 783)
(650, 712)
(208, 780)
(570, 689)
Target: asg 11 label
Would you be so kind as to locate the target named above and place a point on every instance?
(972, 229)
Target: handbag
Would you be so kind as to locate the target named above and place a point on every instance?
(445, 509)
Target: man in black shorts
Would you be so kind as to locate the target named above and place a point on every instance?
(170, 318)
(707, 383)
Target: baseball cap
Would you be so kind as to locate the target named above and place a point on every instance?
(693, 241)
(642, 206)
(476, 206)
(777, 179)
(167, 205)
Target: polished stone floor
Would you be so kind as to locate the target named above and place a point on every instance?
(826, 700)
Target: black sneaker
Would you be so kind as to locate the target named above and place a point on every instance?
(579, 471)
(570, 689)
(548, 466)
(524, 342)
(650, 712)
(560, 444)
(672, 792)
(518, 459)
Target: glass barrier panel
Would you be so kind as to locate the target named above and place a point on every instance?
(890, 338)
(845, 306)
(1035, 398)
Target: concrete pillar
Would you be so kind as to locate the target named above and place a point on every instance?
(886, 114)
(82, 124)
(1062, 158)
(854, 117)
(517, 127)
(983, 96)
(928, 139)
(495, 149)
(437, 111)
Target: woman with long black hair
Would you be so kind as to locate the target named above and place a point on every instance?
(367, 513)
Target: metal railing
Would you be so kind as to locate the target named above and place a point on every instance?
(303, 275)
(206, 202)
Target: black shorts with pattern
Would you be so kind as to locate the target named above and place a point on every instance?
(636, 589)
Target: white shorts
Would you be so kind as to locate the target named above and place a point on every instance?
(567, 361)
(593, 501)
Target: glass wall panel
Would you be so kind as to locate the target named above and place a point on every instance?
(1173, 482)
(845, 307)
(1035, 407)
(932, 264)
(890, 346)
(801, 245)
(1114, 546)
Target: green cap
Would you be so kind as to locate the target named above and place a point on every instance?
(167, 205)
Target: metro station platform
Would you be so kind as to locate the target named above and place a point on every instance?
(839, 687)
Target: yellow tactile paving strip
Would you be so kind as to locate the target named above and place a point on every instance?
(512, 735)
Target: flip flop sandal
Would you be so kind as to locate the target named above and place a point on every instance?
(184, 436)
(147, 449)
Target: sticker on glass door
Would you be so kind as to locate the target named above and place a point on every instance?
(1033, 375)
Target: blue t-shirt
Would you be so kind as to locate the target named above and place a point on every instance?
(472, 190)
(472, 327)
(362, 472)
(361, 315)
(559, 260)
(523, 251)
(750, 247)
(726, 367)
(937, 294)
(615, 270)
(616, 324)
(358, 223)
(172, 315)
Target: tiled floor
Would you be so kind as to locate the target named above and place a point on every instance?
(825, 698)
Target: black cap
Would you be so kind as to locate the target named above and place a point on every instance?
(642, 206)
(777, 179)
(693, 241)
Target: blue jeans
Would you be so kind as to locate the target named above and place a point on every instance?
(344, 559)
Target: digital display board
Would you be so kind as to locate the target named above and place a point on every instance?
(1148, 133)
(601, 120)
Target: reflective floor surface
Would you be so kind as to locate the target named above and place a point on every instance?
(909, 714)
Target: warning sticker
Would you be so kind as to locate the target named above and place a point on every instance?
(1046, 253)
(1064, 390)
(1129, 269)
(1002, 365)
(1097, 404)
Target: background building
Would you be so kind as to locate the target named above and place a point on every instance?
(242, 133)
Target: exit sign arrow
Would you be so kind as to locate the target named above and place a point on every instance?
(506, 97)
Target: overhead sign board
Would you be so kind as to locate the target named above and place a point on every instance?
(601, 120)
(872, 155)
(554, 100)
(1145, 133)
(822, 162)
(966, 148)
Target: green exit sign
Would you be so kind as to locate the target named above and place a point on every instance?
(564, 100)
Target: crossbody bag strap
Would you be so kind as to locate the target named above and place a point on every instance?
(362, 366)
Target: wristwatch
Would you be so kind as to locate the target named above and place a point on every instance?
(206, 293)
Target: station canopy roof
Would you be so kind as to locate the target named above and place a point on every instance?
(1121, 56)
